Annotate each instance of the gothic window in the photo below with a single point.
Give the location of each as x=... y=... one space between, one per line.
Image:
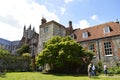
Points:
x=108 y=48
x=85 y=34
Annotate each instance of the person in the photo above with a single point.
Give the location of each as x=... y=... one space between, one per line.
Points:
x=105 y=69
x=89 y=69
x=40 y=68
x=93 y=70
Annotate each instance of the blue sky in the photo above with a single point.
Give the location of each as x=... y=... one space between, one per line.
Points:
x=14 y=14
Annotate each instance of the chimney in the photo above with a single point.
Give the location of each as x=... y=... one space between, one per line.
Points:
x=70 y=23
x=43 y=20
x=117 y=21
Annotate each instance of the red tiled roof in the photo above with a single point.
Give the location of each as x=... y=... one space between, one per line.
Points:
x=97 y=32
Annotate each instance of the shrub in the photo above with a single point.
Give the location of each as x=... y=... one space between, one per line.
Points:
x=99 y=68
x=114 y=70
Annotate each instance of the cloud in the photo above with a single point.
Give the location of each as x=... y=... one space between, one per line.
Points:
x=82 y=24
x=94 y=17
x=14 y=14
x=63 y=10
x=68 y=1
x=9 y=32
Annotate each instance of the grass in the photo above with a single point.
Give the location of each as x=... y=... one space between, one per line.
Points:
x=40 y=76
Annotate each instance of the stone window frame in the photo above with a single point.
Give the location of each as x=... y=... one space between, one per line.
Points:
x=46 y=29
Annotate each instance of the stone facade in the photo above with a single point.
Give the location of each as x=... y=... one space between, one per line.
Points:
x=30 y=37
x=47 y=30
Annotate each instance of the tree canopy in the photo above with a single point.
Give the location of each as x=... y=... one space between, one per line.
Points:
x=63 y=54
x=24 y=49
x=4 y=52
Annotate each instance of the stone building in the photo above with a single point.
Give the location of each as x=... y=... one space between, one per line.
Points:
x=30 y=37
x=49 y=29
x=103 y=40
x=11 y=46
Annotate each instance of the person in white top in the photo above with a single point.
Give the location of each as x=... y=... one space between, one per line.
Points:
x=105 y=69
x=89 y=69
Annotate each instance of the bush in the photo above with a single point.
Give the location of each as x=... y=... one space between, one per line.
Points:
x=114 y=70
x=15 y=63
x=99 y=68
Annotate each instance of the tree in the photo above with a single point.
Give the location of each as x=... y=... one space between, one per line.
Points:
x=24 y=49
x=63 y=54
x=4 y=52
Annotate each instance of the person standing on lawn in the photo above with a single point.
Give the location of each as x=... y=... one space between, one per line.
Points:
x=105 y=69
x=89 y=69
x=93 y=70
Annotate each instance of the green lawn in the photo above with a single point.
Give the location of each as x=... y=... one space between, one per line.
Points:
x=40 y=76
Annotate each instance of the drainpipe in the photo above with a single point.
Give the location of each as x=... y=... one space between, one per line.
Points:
x=98 y=49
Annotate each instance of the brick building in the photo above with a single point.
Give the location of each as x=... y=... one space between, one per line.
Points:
x=103 y=40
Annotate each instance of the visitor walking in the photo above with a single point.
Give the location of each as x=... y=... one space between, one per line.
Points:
x=93 y=70
x=89 y=69
x=105 y=69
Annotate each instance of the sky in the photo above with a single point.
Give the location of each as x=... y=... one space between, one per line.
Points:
x=14 y=14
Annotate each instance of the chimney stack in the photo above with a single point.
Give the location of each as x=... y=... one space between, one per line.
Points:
x=117 y=21
x=43 y=20
x=70 y=23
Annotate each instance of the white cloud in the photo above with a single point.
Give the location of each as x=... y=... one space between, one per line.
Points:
x=15 y=13
x=10 y=32
x=82 y=24
x=68 y=1
x=94 y=17
x=63 y=10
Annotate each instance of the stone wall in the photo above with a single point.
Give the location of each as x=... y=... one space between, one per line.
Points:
x=53 y=30
x=100 y=51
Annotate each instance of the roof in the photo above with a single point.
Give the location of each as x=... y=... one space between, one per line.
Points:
x=50 y=22
x=96 y=32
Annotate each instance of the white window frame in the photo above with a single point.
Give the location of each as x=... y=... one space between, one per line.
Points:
x=106 y=29
x=85 y=34
x=72 y=36
x=108 y=48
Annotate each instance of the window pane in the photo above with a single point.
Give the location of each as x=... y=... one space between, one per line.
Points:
x=106 y=29
x=91 y=47
x=108 y=49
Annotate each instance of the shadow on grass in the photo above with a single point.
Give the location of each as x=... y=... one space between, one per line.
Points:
x=64 y=74
x=95 y=77
x=74 y=75
x=2 y=75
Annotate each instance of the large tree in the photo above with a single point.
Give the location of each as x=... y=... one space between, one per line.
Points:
x=24 y=49
x=63 y=54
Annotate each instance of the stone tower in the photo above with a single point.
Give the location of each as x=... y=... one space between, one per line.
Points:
x=47 y=30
